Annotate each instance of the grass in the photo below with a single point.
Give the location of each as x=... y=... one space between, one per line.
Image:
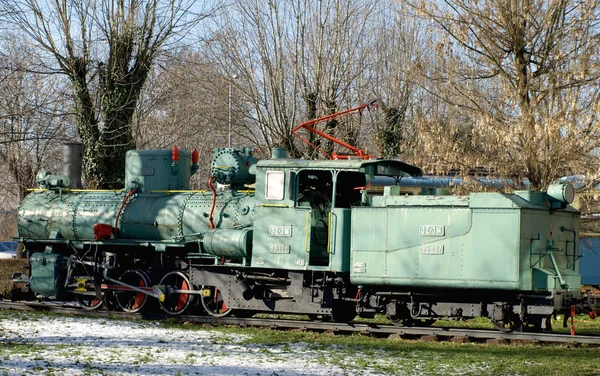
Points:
x=583 y=323
x=354 y=352
x=406 y=357
x=360 y=352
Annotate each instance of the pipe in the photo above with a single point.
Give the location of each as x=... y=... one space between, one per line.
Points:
x=214 y=201
x=551 y=248
x=441 y=182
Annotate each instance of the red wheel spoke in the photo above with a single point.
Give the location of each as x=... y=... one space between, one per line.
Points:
x=183 y=298
x=140 y=297
x=176 y=302
x=128 y=298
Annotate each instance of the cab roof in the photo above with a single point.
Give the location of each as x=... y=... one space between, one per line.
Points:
x=375 y=167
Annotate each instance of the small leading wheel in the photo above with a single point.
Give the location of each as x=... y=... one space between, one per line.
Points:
x=534 y=324
x=176 y=301
x=130 y=300
x=511 y=324
x=89 y=302
x=213 y=303
x=85 y=294
x=398 y=320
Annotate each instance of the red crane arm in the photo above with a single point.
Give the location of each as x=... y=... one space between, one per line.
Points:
x=358 y=153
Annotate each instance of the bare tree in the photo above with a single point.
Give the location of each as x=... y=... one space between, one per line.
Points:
x=330 y=53
x=520 y=82
x=106 y=48
x=8 y=225
x=250 y=42
x=32 y=120
x=400 y=48
x=296 y=60
x=185 y=104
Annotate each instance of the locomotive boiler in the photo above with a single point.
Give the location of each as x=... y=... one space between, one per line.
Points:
x=305 y=237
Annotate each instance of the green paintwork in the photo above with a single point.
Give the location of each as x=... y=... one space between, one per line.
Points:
x=274 y=245
x=231 y=243
x=315 y=215
x=146 y=216
x=320 y=231
x=340 y=239
x=232 y=165
x=484 y=241
x=151 y=170
x=47 y=274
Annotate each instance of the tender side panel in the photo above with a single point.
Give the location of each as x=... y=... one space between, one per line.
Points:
x=492 y=253
x=435 y=247
x=369 y=247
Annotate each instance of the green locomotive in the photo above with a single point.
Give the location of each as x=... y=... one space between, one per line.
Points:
x=310 y=237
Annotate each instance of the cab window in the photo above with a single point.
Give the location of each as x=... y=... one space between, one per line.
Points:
x=314 y=188
x=347 y=189
x=274 y=188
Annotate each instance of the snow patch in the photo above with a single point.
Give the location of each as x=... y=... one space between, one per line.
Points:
x=75 y=345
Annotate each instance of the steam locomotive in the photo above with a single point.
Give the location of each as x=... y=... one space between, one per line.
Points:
x=311 y=237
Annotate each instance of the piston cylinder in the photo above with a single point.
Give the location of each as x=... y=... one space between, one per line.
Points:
x=233 y=243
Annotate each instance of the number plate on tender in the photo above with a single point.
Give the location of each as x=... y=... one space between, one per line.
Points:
x=432 y=249
x=285 y=231
x=279 y=248
x=360 y=267
x=432 y=230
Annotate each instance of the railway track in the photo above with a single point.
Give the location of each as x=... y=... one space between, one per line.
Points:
x=381 y=330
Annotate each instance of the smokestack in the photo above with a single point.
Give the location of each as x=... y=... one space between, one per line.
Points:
x=72 y=162
x=278 y=153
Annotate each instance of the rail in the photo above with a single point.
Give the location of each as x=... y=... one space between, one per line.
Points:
x=380 y=330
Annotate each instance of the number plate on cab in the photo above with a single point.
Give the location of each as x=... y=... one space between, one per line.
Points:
x=285 y=231
x=279 y=248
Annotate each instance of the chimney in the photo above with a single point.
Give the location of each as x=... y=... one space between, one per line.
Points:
x=72 y=163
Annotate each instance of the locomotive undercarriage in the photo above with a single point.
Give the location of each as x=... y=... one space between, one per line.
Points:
x=135 y=280
x=140 y=279
x=508 y=311
x=316 y=294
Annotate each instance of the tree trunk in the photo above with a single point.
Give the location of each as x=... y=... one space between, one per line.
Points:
x=330 y=126
x=87 y=126
x=389 y=138
x=311 y=113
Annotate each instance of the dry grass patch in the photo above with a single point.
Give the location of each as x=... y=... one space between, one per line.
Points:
x=7 y=268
